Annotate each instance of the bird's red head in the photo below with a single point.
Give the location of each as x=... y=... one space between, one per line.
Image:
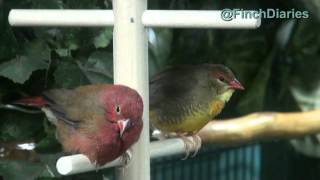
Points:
x=225 y=77
x=123 y=106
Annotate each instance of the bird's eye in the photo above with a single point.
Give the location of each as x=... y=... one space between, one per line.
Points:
x=118 y=110
x=221 y=79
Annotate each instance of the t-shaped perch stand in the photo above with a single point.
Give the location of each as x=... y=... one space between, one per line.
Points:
x=130 y=19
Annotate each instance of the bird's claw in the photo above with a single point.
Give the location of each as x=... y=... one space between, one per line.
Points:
x=189 y=145
x=95 y=165
x=125 y=158
x=197 y=145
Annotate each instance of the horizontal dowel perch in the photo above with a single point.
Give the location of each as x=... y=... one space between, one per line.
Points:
x=150 y=18
x=79 y=163
x=253 y=127
x=195 y=19
x=261 y=126
x=66 y=18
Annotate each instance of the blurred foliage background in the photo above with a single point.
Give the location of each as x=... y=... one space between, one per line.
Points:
x=278 y=64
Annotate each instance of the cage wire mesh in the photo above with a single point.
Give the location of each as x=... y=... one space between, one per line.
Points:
x=211 y=163
x=242 y=163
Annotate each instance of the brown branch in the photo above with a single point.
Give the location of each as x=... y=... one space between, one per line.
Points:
x=261 y=126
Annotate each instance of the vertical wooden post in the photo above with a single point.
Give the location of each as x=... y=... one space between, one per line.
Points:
x=131 y=68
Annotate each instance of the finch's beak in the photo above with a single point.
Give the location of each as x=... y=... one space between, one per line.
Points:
x=123 y=125
x=235 y=84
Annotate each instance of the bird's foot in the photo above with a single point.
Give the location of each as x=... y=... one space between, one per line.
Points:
x=189 y=145
x=197 y=142
x=95 y=165
x=125 y=158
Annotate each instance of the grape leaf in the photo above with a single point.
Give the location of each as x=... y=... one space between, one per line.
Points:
x=20 y=68
x=103 y=39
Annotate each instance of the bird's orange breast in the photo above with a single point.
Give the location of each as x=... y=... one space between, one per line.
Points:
x=215 y=107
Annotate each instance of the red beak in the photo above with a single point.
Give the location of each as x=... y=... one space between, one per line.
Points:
x=123 y=125
x=235 y=84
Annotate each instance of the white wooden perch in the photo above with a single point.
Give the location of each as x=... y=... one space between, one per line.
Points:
x=150 y=18
x=79 y=163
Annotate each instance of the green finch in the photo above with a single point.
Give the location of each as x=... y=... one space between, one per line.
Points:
x=184 y=99
x=99 y=121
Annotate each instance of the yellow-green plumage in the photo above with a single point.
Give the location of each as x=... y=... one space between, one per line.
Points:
x=184 y=99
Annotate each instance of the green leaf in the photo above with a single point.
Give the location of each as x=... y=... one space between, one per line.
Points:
x=63 y=52
x=30 y=170
x=99 y=67
x=39 y=4
x=37 y=51
x=20 y=68
x=84 y=4
x=72 y=41
x=8 y=43
x=103 y=39
x=68 y=75
x=19 y=126
x=48 y=144
x=26 y=170
x=71 y=38
x=35 y=56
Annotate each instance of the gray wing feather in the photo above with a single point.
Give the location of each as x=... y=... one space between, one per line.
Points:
x=57 y=103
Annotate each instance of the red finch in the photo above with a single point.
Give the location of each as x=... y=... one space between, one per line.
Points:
x=183 y=99
x=99 y=121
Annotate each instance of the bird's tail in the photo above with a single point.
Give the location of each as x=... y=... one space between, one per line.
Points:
x=37 y=101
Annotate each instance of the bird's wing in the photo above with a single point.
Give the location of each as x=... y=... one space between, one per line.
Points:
x=173 y=84
x=78 y=108
x=57 y=102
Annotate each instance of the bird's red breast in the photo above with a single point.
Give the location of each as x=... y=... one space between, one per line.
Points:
x=101 y=147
